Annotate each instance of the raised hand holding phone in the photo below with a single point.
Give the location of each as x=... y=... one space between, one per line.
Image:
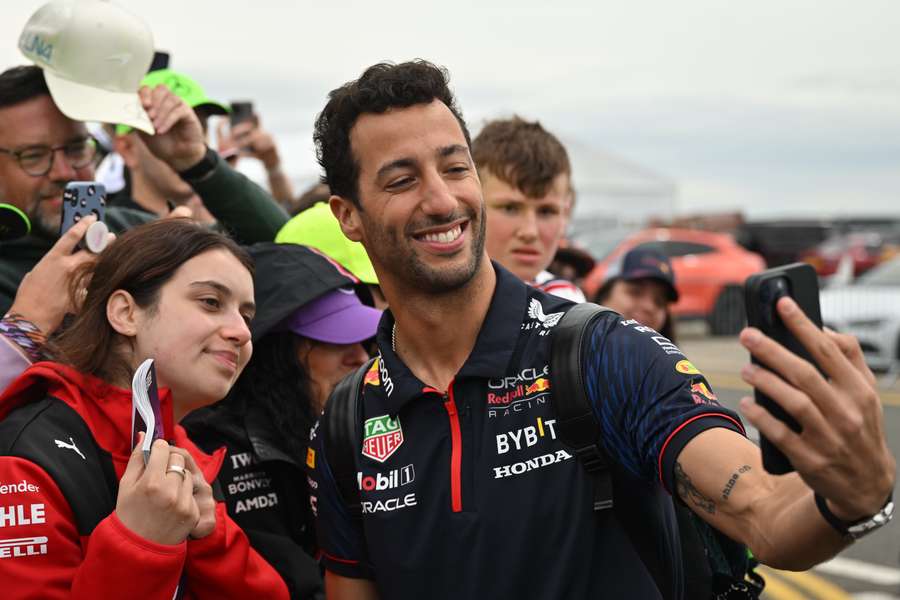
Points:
x=762 y=292
x=54 y=272
x=840 y=451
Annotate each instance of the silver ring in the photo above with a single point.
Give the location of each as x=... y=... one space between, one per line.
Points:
x=177 y=469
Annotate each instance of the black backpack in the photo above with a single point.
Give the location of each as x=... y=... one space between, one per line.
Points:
x=715 y=566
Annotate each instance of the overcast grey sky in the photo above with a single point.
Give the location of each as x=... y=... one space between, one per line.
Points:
x=775 y=106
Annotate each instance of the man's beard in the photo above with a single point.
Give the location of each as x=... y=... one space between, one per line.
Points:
x=404 y=262
x=43 y=224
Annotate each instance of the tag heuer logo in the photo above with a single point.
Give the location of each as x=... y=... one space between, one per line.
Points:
x=383 y=435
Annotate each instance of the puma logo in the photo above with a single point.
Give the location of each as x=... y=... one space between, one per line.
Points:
x=71 y=446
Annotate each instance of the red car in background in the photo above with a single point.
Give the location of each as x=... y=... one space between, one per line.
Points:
x=864 y=249
x=710 y=269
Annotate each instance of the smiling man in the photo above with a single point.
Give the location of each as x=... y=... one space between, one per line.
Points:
x=32 y=177
x=464 y=489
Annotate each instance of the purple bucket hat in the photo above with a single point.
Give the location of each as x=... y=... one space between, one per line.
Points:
x=337 y=317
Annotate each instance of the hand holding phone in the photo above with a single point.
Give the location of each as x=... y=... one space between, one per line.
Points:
x=762 y=292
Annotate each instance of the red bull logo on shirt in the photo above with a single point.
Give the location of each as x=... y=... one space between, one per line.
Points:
x=540 y=385
x=519 y=392
x=371 y=377
x=382 y=436
x=702 y=394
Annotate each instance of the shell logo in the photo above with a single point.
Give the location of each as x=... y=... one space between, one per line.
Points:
x=686 y=367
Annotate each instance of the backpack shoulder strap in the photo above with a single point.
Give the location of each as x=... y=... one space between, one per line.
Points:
x=576 y=422
x=341 y=428
x=52 y=435
x=714 y=566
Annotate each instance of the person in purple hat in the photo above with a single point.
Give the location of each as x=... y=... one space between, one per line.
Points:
x=641 y=286
x=308 y=332
x=331 y=331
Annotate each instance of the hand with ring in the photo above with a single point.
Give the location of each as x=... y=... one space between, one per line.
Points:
x=157 y=501
x=203 y=495
x=177 y=469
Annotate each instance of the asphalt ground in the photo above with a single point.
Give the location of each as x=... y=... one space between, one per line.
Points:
x=867 y=570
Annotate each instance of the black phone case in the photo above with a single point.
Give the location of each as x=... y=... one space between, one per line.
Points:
x=240 y=112
x=799 y=281
x=80 y=199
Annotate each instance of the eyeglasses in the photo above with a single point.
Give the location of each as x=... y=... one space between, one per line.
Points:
x=38 y=160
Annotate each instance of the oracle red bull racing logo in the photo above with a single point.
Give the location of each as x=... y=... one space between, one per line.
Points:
x=518 y=392
x=382 y=436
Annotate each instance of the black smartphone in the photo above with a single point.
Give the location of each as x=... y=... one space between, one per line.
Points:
x=762 y=291
x=160 y=61
x=241 y=111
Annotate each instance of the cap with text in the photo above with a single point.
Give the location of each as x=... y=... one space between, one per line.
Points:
x=94 y=55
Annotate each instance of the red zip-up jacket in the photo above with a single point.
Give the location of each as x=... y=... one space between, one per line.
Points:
x=42 y=554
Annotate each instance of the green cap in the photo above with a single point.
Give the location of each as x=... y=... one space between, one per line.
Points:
x=182 y=86
x=316 y=227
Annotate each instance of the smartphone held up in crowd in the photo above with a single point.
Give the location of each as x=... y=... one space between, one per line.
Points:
x=241 y=111
x=80 y=199
x=762 y=292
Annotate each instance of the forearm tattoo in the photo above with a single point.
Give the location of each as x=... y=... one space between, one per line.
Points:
x=689 y=493
x=726 y=491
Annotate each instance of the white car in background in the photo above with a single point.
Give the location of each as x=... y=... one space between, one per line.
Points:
x=869 y=308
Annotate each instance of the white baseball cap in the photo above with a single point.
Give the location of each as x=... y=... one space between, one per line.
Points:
x=94 y=55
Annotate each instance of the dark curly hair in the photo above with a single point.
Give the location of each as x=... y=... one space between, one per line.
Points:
x=380 y=88
x=276 y=380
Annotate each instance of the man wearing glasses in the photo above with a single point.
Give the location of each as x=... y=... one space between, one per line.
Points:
x=41 y=150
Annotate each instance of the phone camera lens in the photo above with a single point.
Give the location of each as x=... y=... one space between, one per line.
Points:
x=91 y=190
x=102 y=200
x=76 y=217
x=83 y=202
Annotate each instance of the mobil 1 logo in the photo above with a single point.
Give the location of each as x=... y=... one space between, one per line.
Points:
x=386 y=481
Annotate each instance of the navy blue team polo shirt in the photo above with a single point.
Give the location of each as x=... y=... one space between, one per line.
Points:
x=468 y=493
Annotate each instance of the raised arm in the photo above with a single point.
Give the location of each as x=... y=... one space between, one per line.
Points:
x=841 y=453
x=240 y=206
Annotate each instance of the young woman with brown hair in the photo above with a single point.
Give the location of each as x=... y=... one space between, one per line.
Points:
x=86 y=518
